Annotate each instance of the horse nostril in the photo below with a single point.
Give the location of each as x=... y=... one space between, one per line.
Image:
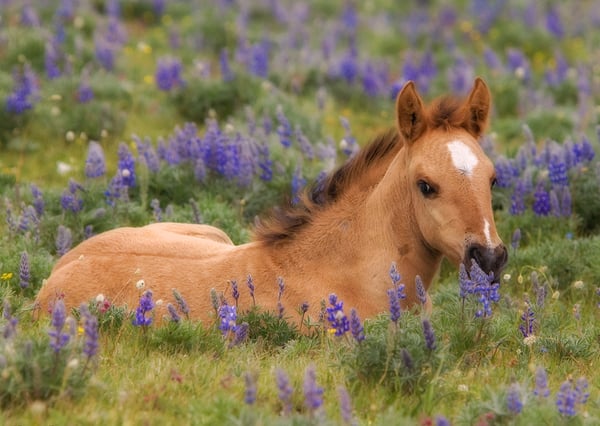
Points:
x=474 y=253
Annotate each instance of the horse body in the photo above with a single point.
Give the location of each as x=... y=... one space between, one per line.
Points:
x=411 y=197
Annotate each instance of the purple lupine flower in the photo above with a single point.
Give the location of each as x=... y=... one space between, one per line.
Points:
x=69 y=200
x=553 y=22
x=557 y=171
x=284 y=129
x=145 y=306
x=156 y=210
x=24 y=274
x=29 y=17
x=345 y=406
x=250 y=284
x=90 y=330
x=298 y=184
x=250 y=392
x=84 y=92
x=442 y=421
x=25 y=91
x=226 y=73
x=516 y=239
x=234 y=291
x=313 y=393
x=513 y=399
x=517 y=199
x=565 y=202
x=50 y=61
x=305 y=145
x=541 y=383
x=240 y=334
x=58 y=339
x=581 y=390
x=259 y=59
x=181 y=303
x=117 y=190
x=38 y=200
x=336 y=316
x=348 y=144
x=228 y=316
x=105 y=53
x=168 y=74
x=554 y=203
x=429 y=335
x=356 y=327
x=284 y=390
x=395 y=275
x=126 y=166
x=281 y=285
x=64 y=240
x=174 y=316
x=407 y=359
x=480 y=284
x=10 y=328
x=528 y=322
x=566 y=399
x=541 y=201
x=395 y=309
x=420 y=288
x=95 y=163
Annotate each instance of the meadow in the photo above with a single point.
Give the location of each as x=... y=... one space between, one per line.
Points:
x=124 y=113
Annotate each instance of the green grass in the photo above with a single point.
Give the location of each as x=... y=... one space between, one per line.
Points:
x=189 y=373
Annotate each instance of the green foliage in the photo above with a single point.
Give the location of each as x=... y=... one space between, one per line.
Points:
x=585 y=188
x=199 y=98
x=268 y=328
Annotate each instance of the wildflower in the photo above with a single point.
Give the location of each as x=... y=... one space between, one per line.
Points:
x=173 y=313
x=126 y=166
x=214 y=300
x=10 y=328
x=145 y=306
x=90 y=329
x=25 y=92
x=528 y=323
x=228 y=316
x=284 y=130
x=516 y=239
x=168 y=74
x=234 y=291
x=84 y=91
x=240 y=334
x=226 y=73
x=281 y=285
x=345 y=406
x=313 y=394
x=557 y=171
x=156 y=210
x=250 y=284
x=356 y=328
x=421 y=292
x=24 y=274
x=284 y=390
x=541 y=383
x=480 y=284
x=553 y=23
x=581 y=390
x=69 y=200
x=541 y=201
x=38 y=200
x=395 y=310
x=181 y=303
x=298 y=183
x=95 y=164
x=64 y=239
x=51 y=57
x=566 y=398
x=336 y=317
x=58 y=339
x=394 y=274
x=429 y=335
x=250 y=394
x=577 y=311
x=513 y=399
x=441 y=421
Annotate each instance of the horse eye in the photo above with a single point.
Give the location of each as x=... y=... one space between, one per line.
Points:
x=426 y=189
x=494 y=182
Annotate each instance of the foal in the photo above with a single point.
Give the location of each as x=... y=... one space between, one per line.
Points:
x=414 y=195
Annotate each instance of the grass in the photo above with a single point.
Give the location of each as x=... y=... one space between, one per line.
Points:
x=190 y=372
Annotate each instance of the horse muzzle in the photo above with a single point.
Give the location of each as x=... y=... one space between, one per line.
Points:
x=488 y=259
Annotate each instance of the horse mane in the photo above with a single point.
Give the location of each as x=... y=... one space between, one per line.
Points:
x=284 y=222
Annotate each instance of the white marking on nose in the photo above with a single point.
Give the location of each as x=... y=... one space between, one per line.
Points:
x=486 y=232
x=463 y=157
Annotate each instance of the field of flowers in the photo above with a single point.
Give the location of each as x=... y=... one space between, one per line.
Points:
x=128 y=112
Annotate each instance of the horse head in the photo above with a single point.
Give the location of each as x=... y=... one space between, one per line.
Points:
x=450 y=177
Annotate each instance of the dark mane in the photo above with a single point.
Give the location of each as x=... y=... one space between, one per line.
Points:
x=284 y=222
x=446 y=113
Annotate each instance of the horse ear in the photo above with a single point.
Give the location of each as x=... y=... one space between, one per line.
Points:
x=410 y=114
x=477 y=108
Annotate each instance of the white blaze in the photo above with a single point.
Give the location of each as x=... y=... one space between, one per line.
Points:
x=463 y=157
x=486 y=232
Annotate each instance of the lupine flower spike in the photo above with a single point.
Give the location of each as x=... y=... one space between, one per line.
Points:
x=336 y=317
